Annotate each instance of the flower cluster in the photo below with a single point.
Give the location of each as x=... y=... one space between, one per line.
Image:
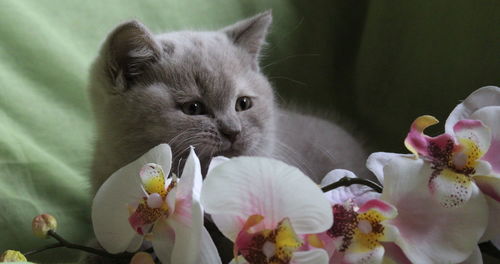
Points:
x=437 y=203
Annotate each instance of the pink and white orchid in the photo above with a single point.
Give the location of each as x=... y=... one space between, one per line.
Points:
x=360 y=228
x=142 y=201
x=484 y=105
x=266 y=207
x=428 y=232
x=455 y=158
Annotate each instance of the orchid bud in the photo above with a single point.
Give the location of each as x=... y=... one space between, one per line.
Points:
x=42 y=224
x=142 y=258
x=12 y=256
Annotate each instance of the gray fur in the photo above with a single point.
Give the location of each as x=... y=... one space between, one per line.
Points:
x=139 y=80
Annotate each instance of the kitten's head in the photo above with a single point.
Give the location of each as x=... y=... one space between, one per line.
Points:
x=203 y=89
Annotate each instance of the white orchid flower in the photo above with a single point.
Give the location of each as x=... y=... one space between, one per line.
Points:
x=143 y=201
x=266 y=207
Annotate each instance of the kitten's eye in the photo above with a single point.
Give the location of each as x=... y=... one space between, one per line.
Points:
x=193 y=108
x=243 y=103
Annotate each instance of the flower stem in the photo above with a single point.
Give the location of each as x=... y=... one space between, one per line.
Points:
x=64 y=243
x=346 y=181
x=38 y=250
x=99 y=252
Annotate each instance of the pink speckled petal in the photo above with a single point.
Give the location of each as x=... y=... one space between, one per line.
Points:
x=375 y=256
x=476 y=131
x=451 y=189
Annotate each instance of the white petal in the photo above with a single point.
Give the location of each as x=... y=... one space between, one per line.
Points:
x=216 y=161
x=377 y=161
x=356 y=192
x=246 y=186
x=429 y=232
x=373 y=257
x=136 y=243
x=110 y=208
x=485 y=96
x=475 y=258
x=187 y=235
x=496 y=242
x=239 y=260
x=490 y=116
x=163 y=241
x=493 y=229
x=313 y=256
x=335 y=175
x=191 y=180
x=208 y=251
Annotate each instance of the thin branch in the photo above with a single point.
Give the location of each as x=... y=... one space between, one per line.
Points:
x=64 y=243
x=38 y=250
x=346 y=181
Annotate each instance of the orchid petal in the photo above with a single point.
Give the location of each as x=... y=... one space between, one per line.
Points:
x=493 y=230
x=485 y=96
x=496 y=242
x=387 y=210
x=475 y=258
x=416 y=142
x=312 y=256
x=357 y=193
x=373 y=256
x=239 y=260
x=110 y=207
x=489 y=185
x=490 y=116
x=187 y=236
x=208 y=251
x=473 y=135
x=394 y=254
x=429 y=232
x=163 y=241
x=136 y=243
x=246 y=186
x=450 y=188
x=191 y=180
x=216 y=161
x=377 y=161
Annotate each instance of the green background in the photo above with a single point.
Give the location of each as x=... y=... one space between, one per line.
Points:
x=379 y=64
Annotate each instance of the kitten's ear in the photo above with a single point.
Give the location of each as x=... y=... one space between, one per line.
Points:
x=127 y=51
x=250 y=33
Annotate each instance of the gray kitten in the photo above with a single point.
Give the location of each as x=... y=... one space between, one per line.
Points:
x=203 y=89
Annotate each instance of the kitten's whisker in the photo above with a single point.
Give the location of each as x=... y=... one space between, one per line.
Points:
x=289 y=57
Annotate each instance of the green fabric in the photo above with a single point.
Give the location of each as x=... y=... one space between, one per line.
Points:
x=380 y=63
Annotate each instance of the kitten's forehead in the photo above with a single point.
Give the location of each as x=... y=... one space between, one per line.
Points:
x=205 y=64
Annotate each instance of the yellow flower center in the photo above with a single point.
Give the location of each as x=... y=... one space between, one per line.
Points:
x=268 y=246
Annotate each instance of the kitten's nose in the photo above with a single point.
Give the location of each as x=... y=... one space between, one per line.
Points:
x=230 y=134
x=229 y=127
